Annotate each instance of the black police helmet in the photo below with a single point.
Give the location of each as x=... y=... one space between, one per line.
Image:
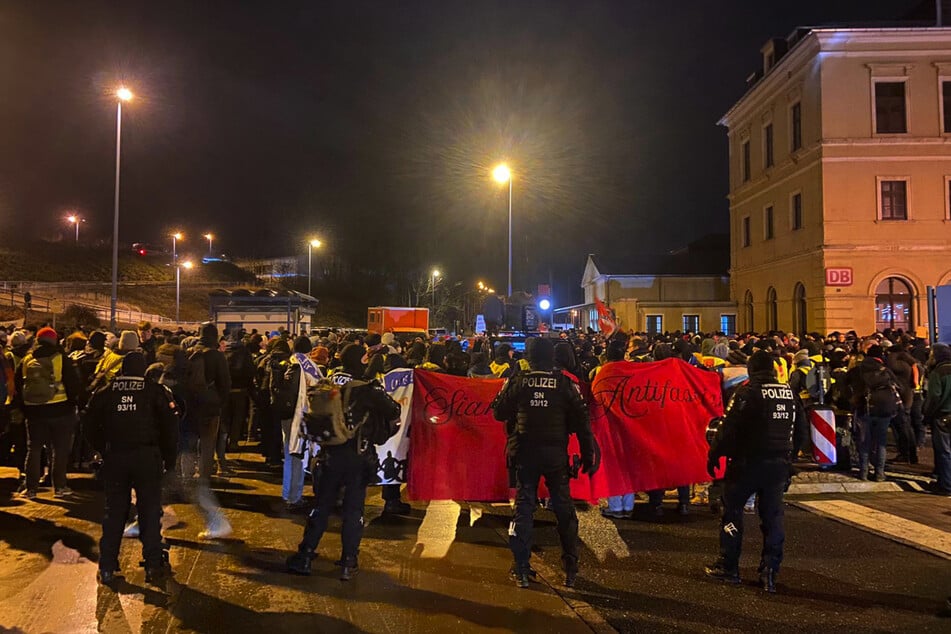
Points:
x=540 y=352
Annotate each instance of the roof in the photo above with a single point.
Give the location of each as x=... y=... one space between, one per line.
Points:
x=709 y=255
x=260 y=296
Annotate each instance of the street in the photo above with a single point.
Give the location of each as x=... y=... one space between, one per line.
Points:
x=445 y=568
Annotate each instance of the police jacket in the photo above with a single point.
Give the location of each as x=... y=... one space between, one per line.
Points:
x=132 y=412
x=546 y=406
x=759 y=421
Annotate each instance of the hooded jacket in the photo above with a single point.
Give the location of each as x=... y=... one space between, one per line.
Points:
x=68 y=384
x=216 y=368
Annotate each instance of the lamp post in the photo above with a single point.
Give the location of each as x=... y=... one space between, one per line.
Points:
x=313 y=244
x=175 y=238
x=209 y=237
x=74 y=219
x=178 y=287
x=435 y=274
x=122 y=94
x=503 y=174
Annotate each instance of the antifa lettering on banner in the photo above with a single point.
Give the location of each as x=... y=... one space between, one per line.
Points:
x=650 y=421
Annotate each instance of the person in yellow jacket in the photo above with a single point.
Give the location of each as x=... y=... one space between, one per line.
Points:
x=111 y=361
x=503 y=364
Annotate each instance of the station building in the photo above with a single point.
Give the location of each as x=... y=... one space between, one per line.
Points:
x=686 y=289
x=840 y=180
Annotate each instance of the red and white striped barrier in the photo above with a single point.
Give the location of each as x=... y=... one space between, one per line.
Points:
x=822 y=426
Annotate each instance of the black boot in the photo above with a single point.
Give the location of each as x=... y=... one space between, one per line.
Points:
x=768 y=579
x=570 y=563
x=396 y=507
x=106 y=577
x=158 y=571
x=719 y=570
x=348 y=569
x=299 y=563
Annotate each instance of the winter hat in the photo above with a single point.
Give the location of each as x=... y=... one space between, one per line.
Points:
x=800 y=357
x=48 y=334
x=350 y=358
x=129 y=341
x=541 y=353
x=280 y=346
x=388 y=339
x=134 y=364
x=760 y=361
x=17 y=339
x=875 y=351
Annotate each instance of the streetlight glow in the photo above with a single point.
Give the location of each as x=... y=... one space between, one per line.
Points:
x=436 y=273
x=72 y=219
x=315 y=243
x=502 y=173
x=188 y=264
x=124 y=94
x=177 y=236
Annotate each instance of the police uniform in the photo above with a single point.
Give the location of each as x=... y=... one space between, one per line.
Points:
x=756 y=436
x=134 y=423
x=546 y=406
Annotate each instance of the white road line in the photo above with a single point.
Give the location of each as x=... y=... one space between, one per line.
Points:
x=906 y=531
x=438 y=529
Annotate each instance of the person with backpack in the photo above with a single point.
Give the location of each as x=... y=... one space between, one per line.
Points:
x=47 y=388
x=234 y=415
x=296 y=379
x=206 y=386
x=349 y=417
x=876 y=401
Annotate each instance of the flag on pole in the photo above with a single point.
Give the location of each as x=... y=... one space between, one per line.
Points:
x=606 y=322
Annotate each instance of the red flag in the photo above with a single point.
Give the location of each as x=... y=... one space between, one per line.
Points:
x=606 y=322
x=650 y=420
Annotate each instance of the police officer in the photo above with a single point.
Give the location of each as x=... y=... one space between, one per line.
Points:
x=349 y=466
x=756 y=436
x=133 y=422
x=546 y=407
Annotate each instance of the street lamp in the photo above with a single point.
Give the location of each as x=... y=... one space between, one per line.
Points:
x=503 y=174
x=175 y=238
x=434 y=276
x=209 y=237
x=313 y=244
x=75 y=220
x=122 y=94
x=178 y=287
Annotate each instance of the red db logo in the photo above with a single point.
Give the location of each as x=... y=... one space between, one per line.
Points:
x=839 y=277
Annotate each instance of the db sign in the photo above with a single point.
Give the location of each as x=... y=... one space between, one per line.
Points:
x=839 y=277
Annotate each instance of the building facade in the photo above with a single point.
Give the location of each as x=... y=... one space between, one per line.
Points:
x=840 y=181
x=688 y=300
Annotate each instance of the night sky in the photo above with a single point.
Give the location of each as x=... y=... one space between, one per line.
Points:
x=375 y=124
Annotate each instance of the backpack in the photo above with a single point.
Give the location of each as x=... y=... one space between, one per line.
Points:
x=882 y=397
x=336 y=414
x=197 y=389
x=282 y=391
x=40 y=377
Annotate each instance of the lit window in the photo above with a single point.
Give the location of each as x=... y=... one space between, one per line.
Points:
x=655 y=324
x=728 y=324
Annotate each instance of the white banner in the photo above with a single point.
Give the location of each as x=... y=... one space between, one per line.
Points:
x=391 y=467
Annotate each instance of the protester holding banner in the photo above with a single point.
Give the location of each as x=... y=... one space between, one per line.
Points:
x=546 y=407
x=756 y=436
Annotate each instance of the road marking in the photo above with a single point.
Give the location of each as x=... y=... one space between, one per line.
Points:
x=902 y=530
x=438 y=529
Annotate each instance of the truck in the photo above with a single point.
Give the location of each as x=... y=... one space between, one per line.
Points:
x=397 y=319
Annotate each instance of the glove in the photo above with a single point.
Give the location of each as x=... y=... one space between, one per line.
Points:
x=712 y=466
x=588 y=465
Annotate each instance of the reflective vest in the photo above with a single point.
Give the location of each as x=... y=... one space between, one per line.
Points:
x=58 y=388
x=782 y=370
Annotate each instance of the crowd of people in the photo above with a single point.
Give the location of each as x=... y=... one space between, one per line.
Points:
x=238 y=386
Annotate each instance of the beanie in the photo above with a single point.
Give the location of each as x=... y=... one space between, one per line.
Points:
x=128 y=341
x=302 y=344
x=388 y=339
x=320 y=355
x=48 y=334
x=97 y=340
x=875 y=351
x=540 y=352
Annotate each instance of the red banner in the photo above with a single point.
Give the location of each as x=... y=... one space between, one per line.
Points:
x=650 y=420
x=457 y=448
